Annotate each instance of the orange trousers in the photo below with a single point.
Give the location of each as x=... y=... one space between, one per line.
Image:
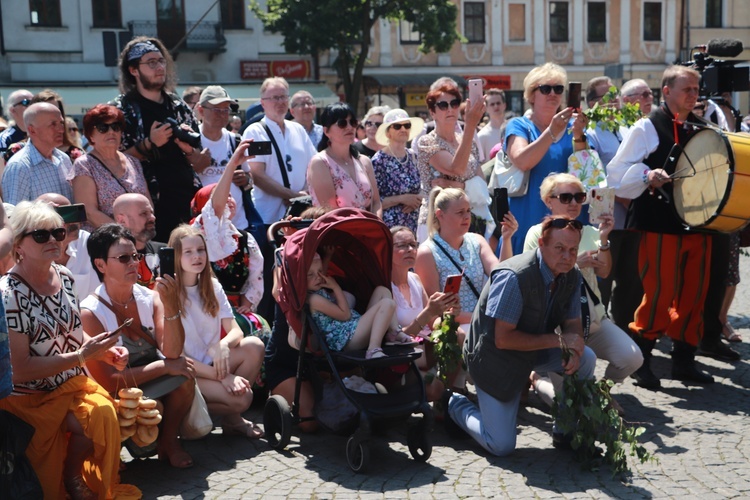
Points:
x=674 y=271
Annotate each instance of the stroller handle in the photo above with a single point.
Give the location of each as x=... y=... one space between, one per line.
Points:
x=276 y=234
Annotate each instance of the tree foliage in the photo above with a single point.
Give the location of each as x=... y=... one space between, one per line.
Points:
x=310 y=27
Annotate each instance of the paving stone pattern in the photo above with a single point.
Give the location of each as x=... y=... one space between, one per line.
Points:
x=699 y=434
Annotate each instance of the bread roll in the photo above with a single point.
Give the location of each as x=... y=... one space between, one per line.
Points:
x=126 y=432
x=126 y=422
x=130 y=393
x=147 y=404
x=148 y=421
x=129 y=403
x=128 y=413
x=147 y=434
x=147 y=413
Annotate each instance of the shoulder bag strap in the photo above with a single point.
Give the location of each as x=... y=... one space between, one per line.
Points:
x=120 y=320
x=466 y=278
x=278 y=157
x=108 y=170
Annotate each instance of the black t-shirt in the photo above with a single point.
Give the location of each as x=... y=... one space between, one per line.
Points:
x=364 y=150
x=173 y=172
x=147 y=270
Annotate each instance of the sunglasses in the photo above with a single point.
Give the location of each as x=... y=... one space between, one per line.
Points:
x=443 y=105
x=546 y=89
x=127 y=257
x=41 y=236
x=22 y=102
x=397 y=126
x=103 y=128
x=368 y=123
x=343 y=122
x=563 y=223
x=645 y=94
x=566 y=198
x=407 y=246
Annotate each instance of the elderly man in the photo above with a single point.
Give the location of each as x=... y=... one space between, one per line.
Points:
x=134 y=211
x=39 y=167
x=302 y=109
x=18 y=101
x=674 y=262
x=513 y=332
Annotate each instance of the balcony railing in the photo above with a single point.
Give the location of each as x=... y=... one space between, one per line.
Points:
x=205 y=36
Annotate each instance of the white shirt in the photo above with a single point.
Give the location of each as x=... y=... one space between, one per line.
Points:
x=143 y=298
x=202 y=330
x=626 y=172
x=79 y=265
x=488 y=138
x=296 y=150
x=221 y=151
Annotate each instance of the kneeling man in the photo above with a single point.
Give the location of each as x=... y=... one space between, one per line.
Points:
x=513 y=332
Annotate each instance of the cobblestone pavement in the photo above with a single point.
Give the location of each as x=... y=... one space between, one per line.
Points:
x=699 y=434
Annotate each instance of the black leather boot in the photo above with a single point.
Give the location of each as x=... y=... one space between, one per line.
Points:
x=643 y=376
x=683 y=364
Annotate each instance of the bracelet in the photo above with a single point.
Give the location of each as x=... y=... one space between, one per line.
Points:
x=604 y=248
x=81 y=359
x=172 y=318
x=554 y=139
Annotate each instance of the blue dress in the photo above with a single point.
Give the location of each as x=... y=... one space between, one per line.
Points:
x=338 y=333
x=529 y=210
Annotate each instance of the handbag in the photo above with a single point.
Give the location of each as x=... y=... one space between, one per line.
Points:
x=506 y=175
x=17 y=476
x=197 y=423
x=587 y=167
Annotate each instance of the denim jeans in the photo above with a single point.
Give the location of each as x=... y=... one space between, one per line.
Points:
x=493 y=423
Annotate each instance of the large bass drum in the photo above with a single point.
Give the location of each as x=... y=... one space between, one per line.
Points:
x=712 y=181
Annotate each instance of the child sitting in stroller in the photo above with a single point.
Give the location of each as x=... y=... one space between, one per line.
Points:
x=346 y=329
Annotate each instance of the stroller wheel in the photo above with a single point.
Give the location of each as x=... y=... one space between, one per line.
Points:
x=357 y=454
x=277 y=422
x=419 y=443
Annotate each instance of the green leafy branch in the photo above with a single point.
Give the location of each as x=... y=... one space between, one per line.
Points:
x=610 y=117
x=587 y=413
x=447 y=350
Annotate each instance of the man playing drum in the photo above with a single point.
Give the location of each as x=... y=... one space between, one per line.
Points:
x=673 y=262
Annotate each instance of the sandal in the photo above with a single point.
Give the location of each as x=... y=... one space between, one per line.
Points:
x=399 y=338
x=78 y=489
x=375 y=353
x=729 y=334
x=245 y=428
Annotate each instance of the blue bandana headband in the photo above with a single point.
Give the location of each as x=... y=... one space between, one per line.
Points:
x=140 y=49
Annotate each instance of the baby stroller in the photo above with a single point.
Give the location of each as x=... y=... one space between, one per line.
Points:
x=361 y=262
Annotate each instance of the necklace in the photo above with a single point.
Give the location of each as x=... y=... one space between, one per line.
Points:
x=123 y=304
x=401 y=162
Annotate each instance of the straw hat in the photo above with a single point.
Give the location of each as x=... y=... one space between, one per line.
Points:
x=398 y=116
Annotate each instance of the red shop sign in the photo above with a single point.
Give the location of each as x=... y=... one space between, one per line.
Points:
x=290 y=69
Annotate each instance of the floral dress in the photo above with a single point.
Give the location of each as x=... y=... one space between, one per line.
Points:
x=395 y=177
x=427 y=147
x=109 y=187
x=338 y=333
x=354 y=193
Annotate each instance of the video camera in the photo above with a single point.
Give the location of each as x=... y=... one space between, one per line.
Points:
x=718 y=76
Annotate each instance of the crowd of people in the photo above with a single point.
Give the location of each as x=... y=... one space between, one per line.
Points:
x=159 y=170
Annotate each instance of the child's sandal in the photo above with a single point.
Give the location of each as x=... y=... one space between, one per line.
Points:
x=375 y=353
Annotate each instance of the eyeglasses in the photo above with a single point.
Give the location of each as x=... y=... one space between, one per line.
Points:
x=546 y=89
x=368 y=123
x=221 y=111
x=127 y=257
x=41 y=236
x=343 y=122
x=22 y=102
x=566 y=198
x=406 y=246
x=645 y=94
x=562 y=224
x=301 y=104
x=276 y=98
x=288 y=161
x=155 y=63
x=397 y=126
x=103 y=128
x=443 y=105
